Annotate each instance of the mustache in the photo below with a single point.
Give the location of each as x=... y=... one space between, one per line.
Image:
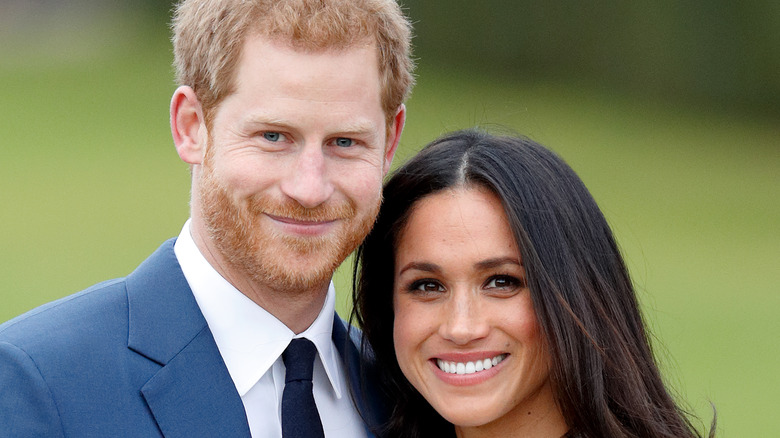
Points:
x=291 y=209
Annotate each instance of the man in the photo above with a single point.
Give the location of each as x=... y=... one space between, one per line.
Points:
x=289 y=113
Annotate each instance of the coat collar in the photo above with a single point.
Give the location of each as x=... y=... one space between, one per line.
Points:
x=192 y=394
x=362 y=376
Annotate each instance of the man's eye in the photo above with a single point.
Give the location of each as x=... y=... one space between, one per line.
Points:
x=344 y=142
x=273 y=136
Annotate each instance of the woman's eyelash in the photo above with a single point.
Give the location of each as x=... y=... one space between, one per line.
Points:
x=505 y=281
x=425 y=285
x=501 y=281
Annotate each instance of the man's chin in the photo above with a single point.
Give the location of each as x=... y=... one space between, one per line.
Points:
x=295 y=282
x=294 y=267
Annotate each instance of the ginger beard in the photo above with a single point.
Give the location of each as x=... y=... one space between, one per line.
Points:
x=285 y=263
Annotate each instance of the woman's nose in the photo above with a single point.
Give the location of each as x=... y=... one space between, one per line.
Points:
x=463 y=320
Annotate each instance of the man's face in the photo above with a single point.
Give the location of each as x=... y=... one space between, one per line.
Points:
x=291 y=180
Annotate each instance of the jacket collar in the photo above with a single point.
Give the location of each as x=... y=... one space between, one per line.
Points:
x=362 y=375
x=192 y=394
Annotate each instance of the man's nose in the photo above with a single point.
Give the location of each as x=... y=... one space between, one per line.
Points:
x=308 y=181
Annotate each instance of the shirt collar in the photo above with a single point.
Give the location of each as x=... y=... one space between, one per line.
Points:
x=249 y=338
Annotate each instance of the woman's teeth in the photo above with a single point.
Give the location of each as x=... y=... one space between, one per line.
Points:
x=469 y=367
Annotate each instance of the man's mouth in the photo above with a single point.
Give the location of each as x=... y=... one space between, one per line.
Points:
x=302 y=221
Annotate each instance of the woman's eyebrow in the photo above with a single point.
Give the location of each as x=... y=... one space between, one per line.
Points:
x=496 y=262
x=420 y=266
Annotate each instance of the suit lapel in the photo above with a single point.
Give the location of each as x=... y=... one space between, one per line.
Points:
x=361 y=373
x=192 y=394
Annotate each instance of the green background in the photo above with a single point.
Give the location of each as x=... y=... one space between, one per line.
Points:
x=682 y=156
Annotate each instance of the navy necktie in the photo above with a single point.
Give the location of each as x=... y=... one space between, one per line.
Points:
x=300 y=418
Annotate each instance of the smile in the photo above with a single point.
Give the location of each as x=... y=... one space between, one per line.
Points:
x=469 y=367
x=303 y=228
x=301 y=222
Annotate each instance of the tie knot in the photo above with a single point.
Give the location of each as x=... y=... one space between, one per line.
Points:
x=299 y=360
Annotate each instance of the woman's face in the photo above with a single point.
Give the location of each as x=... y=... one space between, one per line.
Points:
x=465 y=332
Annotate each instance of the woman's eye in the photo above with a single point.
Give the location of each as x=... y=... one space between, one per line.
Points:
x=343 y=142
x=427 y=286
x=503 y=282
x=273 y=136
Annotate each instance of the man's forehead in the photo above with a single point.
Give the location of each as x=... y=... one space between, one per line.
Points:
x=309 y=46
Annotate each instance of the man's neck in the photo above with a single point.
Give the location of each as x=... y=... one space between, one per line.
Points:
x=297 y=309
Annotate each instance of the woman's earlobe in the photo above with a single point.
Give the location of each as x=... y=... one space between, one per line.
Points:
x=188 y=127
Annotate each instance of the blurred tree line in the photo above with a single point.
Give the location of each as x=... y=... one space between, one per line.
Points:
x=718 y=51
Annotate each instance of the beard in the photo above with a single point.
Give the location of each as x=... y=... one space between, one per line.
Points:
x=282 y=262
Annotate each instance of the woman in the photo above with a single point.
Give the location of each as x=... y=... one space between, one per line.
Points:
x=498 y=304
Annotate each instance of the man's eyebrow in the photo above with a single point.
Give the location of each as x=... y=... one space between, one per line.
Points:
x=261 y=119
x=359 y=127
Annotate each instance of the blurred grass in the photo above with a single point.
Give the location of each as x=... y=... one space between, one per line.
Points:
x=91 y=185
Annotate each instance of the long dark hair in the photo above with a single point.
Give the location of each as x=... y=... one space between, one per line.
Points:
x=603 y=372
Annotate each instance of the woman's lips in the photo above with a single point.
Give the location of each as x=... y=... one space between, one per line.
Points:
x=465 y=369
x=471 y=366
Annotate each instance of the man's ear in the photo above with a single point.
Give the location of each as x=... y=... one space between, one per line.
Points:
x=394 y=136
x=188 y=126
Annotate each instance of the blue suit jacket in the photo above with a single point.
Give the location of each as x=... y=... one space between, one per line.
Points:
x=130 y=357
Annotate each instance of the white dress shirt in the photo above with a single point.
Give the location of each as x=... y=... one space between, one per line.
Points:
x=251 y=342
